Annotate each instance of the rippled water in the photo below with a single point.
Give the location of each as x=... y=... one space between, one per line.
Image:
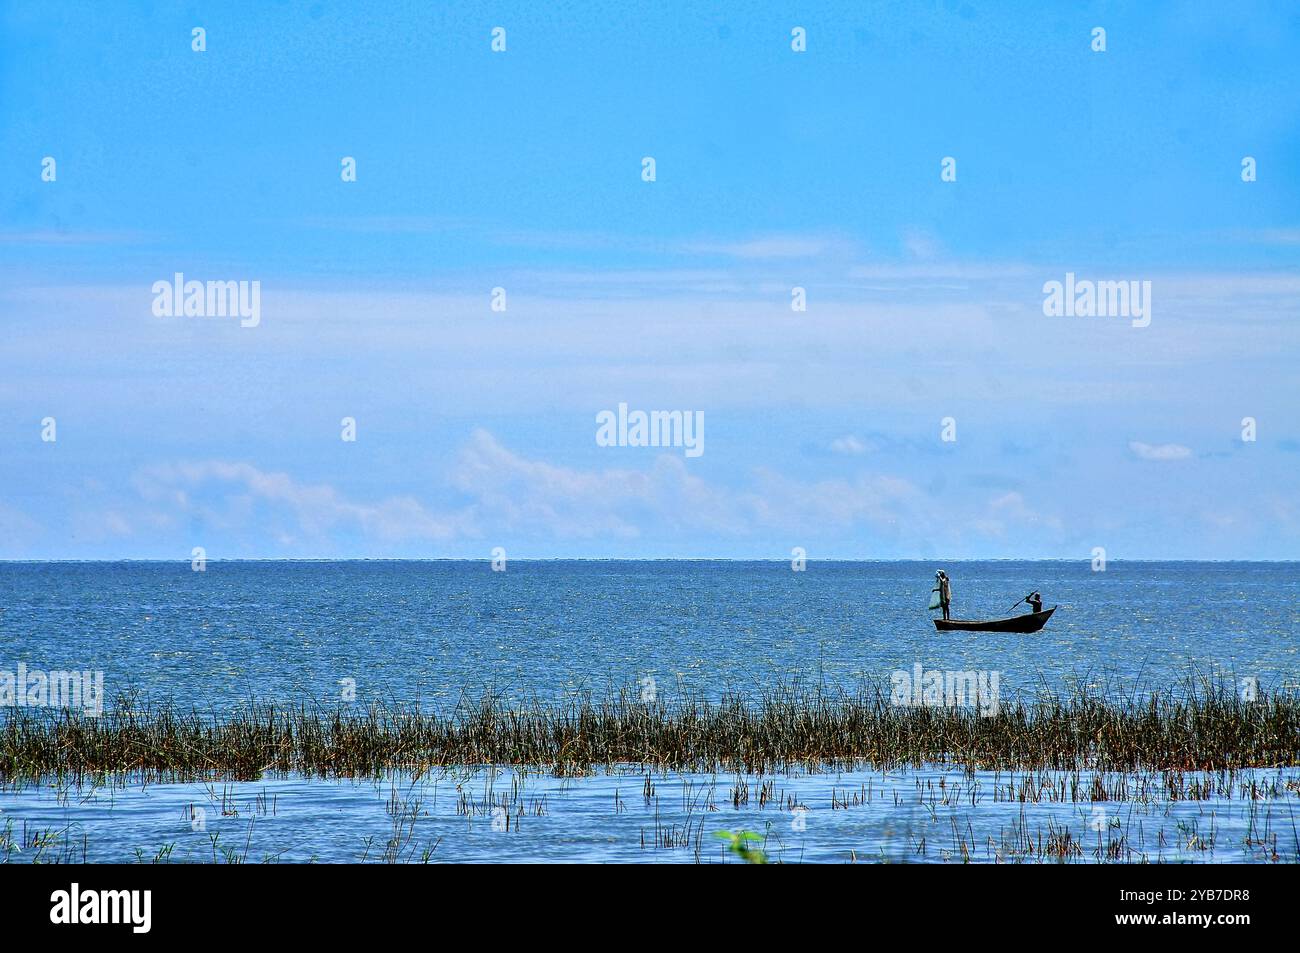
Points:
x=432 y=630
x=428 y=630
x=927 y=816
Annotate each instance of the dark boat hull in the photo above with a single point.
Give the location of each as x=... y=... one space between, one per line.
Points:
x=1031 y=622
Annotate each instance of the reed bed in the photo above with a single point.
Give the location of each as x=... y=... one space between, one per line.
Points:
x=1199 y=726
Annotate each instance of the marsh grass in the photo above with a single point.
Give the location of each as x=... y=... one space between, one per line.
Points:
x=1201 y=725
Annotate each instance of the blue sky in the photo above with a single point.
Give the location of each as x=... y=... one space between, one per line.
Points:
x=522 y=170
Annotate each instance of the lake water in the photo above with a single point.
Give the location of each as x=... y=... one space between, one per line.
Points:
x=430 y=631
x=927 y=816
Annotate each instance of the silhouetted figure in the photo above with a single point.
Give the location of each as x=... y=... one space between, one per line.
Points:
x=945 y=592
x=1035 y=601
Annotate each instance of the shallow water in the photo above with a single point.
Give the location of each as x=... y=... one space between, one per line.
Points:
x=933 y=815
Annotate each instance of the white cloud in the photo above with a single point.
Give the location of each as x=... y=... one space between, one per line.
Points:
x=885 y=503
x=1269 y=236
x=317 y=509
x=773 y=247
x=1011 y=511
x=651 y=502
x=1162 y=452
x=920 y=244
x=509 y=495
x=848 y=445
x=517 y=494
x=56 y=236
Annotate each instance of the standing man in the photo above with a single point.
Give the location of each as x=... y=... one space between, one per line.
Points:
x=945 y=592
x=1035 y=601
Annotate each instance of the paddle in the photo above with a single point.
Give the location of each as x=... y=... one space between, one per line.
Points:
x=1018 y=603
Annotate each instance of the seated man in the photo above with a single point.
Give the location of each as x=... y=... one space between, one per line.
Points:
x=1035 y=601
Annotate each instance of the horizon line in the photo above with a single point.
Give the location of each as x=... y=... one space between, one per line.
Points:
x=539 y=559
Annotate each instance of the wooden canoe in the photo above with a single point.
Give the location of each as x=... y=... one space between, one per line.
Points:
x=1030 y=622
